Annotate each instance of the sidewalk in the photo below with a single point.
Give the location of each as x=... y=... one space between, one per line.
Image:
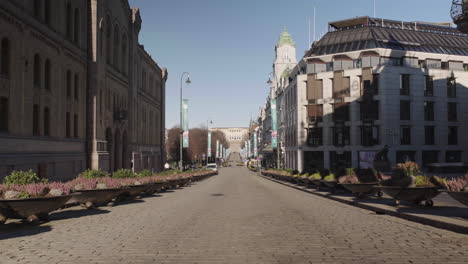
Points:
x=446 y=213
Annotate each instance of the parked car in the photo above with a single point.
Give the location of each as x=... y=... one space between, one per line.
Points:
x=212 y=166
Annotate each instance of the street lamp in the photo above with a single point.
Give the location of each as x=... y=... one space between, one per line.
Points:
x=208 y=149
x=187 y=81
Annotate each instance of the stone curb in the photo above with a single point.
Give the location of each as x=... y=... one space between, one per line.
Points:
x=414 y=218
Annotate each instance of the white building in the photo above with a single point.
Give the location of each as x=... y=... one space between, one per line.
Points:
x=370 y=83
x=234 y=135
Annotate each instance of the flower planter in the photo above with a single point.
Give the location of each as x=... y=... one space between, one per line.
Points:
x=362 y=189
x=317 y=183
x=155 y=187
x=304 y=181
x=412 y=194
x=133 y=191
x=461 y=197
x=32 y=209
x=92 y=198
x=333 y=185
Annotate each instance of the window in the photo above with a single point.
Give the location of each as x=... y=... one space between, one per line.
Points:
x=453 y=156
x=405 y=110
x=341 y=136
x=369 y=110
x=69 y=84
x=429 y=135
x=452 y=112
x=375 y=83
x=429 y=111
x=429 y=89
x=453 y=135
x=75 y=126
x=341 y=112
x=76 y=27
x=69 y=21
x=4 y=114
x=315 y=136
x=108 y=39
x=36 y=119
x=116 y=46
x=47 y=75
x=77 y=87
x=46 y=121
x=67 y=125
x=405 y=135
x=47 y=12
x=451 y=87
x=369 y=135
x=37 y=8
x=124 y=54
x=5 y=58
x=405 y=84
x=37 y=71
x=430 y=156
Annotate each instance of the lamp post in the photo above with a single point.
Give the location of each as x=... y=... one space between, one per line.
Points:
x=187 y=81
x=208 y=143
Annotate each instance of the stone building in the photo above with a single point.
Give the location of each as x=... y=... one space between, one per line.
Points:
x=371 y=84
x=235 y=136
x=69 y=95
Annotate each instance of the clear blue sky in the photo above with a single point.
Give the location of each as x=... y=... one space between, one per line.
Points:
x=228 y=45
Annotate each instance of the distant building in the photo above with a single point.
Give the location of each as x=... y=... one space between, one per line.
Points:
x=234 y=135
x=77 y=90
x=370 y=83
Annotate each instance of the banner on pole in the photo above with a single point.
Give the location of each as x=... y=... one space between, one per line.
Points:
x=274 y=124
x=217 y=148
x=209 y=144
x=185 y=125
x=255 y=144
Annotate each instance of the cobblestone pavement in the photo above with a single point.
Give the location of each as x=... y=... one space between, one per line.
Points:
x=235 y=217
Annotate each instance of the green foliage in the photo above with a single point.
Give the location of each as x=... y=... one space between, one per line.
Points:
x=316 y=176
x=409 y=168
x=437 y=181
x=123 y=173
x=169 y=172
x=305 y=175
x=22 y=178
x=24 y=195
x=423 y=181
x=330 y=178
x=145 y=173
x=93 y=174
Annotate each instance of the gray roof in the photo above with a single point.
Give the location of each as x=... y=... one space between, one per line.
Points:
x=389 y=34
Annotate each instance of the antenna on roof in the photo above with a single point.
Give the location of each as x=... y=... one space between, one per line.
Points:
x=309 y=34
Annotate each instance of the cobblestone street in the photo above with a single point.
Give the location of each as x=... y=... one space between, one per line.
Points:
x=235 y=217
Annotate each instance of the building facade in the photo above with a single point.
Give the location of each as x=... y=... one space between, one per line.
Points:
x=69 y=92
x=373 y=84
x=234 y=135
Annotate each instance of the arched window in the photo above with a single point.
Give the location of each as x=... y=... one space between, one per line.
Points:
x=76 y=28
x=46 y=121
x=75 y=126
x=47 y=75
x=69 y=83
x=5 y=58
x=69 y=21
x=47 y=12
x=37 y=71
x=124 y=54
x=35 y=119
x=108 y=39
x=4 y=114
x=37 y=8
x=77 y=86
x=67 y=125
x=116 y=46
